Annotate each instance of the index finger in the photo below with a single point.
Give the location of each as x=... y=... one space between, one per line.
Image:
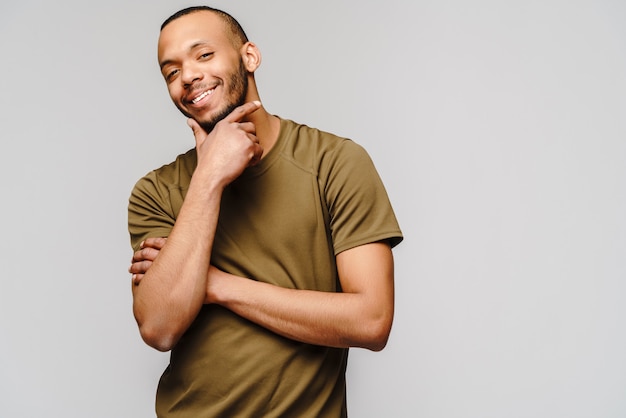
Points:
x=242 y=111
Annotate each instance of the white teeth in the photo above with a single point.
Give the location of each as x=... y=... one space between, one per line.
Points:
x=202 y=96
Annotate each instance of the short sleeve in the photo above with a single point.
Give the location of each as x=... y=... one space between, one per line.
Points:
x=359 y=207
x=149 y=211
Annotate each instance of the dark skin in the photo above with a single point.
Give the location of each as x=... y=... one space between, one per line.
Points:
x=173 y=277
x=142 y=259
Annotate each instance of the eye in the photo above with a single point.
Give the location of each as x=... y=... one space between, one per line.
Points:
x=171 y=74
x=206 y=55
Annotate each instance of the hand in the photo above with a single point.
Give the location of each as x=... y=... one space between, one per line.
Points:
x=150 y=249
x=142 y=259
x=231 y=146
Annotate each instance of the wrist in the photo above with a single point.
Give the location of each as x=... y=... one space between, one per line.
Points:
x=223 y=288
x=207 y=186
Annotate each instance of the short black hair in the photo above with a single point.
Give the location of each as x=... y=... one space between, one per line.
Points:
x=237 y=33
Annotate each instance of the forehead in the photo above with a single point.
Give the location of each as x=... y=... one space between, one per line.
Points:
x=201 y=26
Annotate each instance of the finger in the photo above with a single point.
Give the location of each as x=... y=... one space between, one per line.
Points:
x=256 y=156
x=198 y=133
x=254 y=139
x=242 y=111
x=247 y=127
x=147 y=253
x=136 y=278
x=155 y=242
x=139 y=267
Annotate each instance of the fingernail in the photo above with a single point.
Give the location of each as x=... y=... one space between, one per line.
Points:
x=256 y=102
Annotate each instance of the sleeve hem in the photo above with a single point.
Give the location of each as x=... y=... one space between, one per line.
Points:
x=393 y=237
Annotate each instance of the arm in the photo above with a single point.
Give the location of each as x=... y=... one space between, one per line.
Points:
x=360 y=316
x=171 y=292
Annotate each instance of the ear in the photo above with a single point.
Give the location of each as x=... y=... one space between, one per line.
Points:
x=251 y=56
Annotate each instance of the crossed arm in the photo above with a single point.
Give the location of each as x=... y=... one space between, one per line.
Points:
x=360 y=316
x=173 y=289
x=173 y=277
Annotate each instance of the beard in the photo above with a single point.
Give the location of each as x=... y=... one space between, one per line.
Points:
x=236 y=96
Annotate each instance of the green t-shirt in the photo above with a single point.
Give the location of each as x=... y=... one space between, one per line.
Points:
x=283 y=222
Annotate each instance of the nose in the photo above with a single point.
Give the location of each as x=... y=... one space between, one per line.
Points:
x=190 y=74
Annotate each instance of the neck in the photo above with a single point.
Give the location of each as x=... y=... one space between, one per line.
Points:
x=267 y=126
x=267 y=129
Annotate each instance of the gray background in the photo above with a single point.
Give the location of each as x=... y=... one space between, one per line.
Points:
x=498 y=128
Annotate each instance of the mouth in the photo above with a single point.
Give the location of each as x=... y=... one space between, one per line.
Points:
x=197 y=99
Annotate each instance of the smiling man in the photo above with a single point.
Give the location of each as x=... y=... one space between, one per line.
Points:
x=262 y=254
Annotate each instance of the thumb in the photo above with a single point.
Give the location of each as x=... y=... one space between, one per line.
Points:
x=198 y=132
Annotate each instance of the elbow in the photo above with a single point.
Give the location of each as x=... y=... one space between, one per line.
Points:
x=378 y=339
x=377 y=345
x=377 y=334
x=156 y=333
x=158 y=339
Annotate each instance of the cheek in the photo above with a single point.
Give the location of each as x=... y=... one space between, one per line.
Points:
x=174 y=92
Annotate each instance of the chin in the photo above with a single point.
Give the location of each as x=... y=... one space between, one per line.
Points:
x=208 y=122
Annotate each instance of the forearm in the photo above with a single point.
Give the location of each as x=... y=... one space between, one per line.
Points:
x=313 y=317
x=360 y=316
x=171 y=293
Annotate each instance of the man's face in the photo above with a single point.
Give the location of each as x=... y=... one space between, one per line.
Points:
x=203 y=70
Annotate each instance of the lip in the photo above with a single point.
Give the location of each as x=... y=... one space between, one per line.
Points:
x=200 y=97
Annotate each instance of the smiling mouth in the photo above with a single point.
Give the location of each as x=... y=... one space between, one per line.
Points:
x=202 y=96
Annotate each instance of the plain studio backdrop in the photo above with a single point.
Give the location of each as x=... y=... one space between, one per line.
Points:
x=499 y=129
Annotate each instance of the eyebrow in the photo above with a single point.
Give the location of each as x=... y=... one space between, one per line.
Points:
x=191 y=48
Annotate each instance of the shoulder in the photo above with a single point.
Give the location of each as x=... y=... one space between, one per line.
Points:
x=156 y=199
x=308 y=145
x=307 y=136
x=176 y=174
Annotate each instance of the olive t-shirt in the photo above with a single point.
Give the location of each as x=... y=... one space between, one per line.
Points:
x=283 y=222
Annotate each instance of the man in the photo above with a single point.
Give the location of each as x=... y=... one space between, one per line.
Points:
x=262 y=254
